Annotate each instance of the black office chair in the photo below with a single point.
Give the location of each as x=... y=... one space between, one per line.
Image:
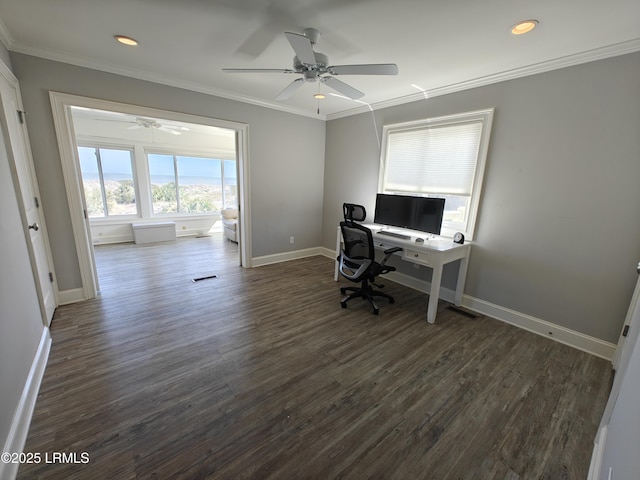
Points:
x=357 y=258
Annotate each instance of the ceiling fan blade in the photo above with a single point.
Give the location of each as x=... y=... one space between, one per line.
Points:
x=302 y=46
x=343 y=88
x=113 y=120
x=169 y=130
x=257 y=70
x=365 y=69
x=258 y=41
x=292 y=87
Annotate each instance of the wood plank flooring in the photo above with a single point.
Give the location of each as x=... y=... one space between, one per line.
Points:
x=260 y=374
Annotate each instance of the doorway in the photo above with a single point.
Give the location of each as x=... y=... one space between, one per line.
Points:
x=125 y=164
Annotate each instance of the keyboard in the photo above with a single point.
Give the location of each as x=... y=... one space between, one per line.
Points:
x=394 y=234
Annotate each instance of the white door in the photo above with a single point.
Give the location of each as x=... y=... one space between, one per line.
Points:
x=620 y=425
x=20 y=156
x=20 y=317
x=629 y=334
x=622 y=430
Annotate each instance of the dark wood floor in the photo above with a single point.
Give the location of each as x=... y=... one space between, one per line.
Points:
x=260 y=374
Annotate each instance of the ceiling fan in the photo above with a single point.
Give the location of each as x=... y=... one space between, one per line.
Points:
x=143 y=122
x=314 y=66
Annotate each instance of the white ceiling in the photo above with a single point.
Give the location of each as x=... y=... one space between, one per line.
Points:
x=92 y=125
x=440 y=45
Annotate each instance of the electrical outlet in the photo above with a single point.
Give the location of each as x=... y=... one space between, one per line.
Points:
x=291 y=240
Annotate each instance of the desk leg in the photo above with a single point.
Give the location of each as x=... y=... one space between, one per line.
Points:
x=338 y=245
x=434 y=293
x=462 y=278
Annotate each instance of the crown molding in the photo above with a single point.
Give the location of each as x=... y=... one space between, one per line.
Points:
x=622 y=48
x=164 y=80
x=615 y=50
x=5 y=36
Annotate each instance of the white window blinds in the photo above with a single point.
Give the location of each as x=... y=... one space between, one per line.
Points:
x=438 y=159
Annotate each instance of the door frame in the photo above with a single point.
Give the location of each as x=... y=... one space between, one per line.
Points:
x=61 y=104
x=11 y=82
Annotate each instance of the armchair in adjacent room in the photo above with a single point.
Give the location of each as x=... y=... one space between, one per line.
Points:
x=357 y=261
x=230 y=223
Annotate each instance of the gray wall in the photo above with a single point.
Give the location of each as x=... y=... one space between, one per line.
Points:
x=4 y=56
x=21 y=324
x=286 y=155
x=558 y=233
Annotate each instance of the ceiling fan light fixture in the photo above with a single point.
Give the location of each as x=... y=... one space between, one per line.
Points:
x=315 y=67
x=523 y=27
x=319 y=96
x=126 y=40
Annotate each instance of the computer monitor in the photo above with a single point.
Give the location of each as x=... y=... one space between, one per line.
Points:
x=428 y=214
x=394 y=210
x=406 y=211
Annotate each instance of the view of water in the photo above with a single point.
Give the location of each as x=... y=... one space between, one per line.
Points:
x=117 y=165
x=162 y=179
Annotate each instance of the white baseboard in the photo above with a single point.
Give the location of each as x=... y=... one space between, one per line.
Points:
x=598 y=453
x=327 y=252
x=72 y=295
x=421 y=285
x=285 y=257
x=108 y=239
x=578 y=340
x=24 y=411
x=191 y=232
x=574 y=339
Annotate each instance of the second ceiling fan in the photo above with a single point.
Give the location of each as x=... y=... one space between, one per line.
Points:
x=314 y=66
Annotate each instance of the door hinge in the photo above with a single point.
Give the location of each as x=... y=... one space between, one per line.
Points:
x=21 y=116
x=625 y=331
x=85 y=214
x=51 y=277
x=37 y=202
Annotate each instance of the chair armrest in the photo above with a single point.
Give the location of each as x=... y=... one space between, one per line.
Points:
x=387 y=254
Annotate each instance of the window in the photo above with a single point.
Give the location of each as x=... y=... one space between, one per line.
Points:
x=107 y=177
x=439 y=157
x=190 y=184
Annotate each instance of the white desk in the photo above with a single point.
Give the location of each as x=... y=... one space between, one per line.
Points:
x=435 y=253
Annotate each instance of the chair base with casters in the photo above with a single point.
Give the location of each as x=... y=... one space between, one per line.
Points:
x=365 y=271
x=366 y=292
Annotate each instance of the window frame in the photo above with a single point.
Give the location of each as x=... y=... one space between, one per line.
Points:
x=485 y=117
x=97 y=146
x=186 y=153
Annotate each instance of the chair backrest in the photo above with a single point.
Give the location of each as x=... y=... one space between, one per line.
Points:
x=353 y=212
x=358 y=253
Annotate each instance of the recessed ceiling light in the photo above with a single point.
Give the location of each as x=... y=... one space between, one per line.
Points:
x=126 y=40
x=524 y=27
